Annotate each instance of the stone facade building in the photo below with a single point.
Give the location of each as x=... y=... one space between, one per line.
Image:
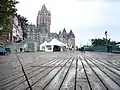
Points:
x=41 y=32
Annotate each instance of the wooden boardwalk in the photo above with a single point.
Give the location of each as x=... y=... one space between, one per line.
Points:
x=61 y=71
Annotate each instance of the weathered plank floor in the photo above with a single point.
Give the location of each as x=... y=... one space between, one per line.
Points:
x=61 y=71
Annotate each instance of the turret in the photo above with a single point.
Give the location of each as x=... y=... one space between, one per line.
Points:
x=71 y=34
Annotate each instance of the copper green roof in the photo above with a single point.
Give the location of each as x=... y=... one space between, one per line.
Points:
x=44 y=9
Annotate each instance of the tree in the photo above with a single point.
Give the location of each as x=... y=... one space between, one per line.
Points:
x=24 y=23
x=7 y=8
x=96 y=42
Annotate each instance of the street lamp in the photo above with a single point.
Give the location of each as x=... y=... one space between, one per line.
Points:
x=106 y=36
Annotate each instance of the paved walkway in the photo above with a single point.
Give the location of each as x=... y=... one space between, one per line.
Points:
x=61 y=71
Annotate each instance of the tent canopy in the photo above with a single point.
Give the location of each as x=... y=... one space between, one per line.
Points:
x=43 y=44
x=56 y=42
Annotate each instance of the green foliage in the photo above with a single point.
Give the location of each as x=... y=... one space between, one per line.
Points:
x=24 y=23
x=7 y=8
x=96 y=42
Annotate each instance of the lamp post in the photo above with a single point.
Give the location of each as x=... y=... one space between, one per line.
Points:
x=106 y=37
x=107 y=47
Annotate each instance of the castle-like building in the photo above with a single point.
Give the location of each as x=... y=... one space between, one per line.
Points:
x=41 y=32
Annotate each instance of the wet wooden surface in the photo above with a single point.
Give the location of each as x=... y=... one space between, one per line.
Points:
x=61 y=71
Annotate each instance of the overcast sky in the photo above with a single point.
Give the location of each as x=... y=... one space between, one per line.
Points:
x=87 y=18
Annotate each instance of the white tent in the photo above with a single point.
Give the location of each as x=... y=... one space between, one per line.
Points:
x=56 y=42
x=42 y=46
x=49 y=46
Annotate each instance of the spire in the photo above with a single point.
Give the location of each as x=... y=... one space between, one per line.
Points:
x=44 y=9
x=59 y=32
x=71 y=34
x=64 y=31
